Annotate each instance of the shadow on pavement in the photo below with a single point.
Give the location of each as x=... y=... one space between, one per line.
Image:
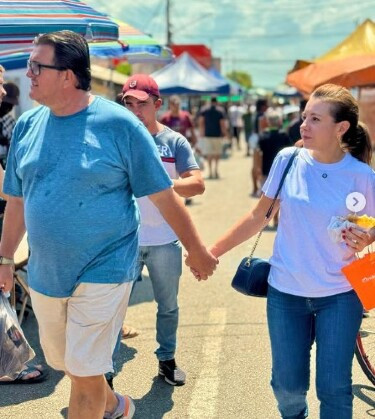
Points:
x=18 y=393
x=126 y=354
x=156 y=403
x=367 y=395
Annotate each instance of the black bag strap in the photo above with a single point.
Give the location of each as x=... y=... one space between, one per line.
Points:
x=286 y=170
x=269 y=212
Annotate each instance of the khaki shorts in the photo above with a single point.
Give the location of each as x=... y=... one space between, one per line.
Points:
x=78 y=334
x=211 y=146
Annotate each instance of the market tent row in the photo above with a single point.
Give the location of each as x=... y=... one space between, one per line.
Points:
x=186 y=76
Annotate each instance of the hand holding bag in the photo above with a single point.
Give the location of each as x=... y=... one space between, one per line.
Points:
x=251 y=277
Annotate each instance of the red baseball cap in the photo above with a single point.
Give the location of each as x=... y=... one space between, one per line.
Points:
x=140 y=86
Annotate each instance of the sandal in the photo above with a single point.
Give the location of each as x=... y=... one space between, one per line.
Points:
x=128 y=332
x=33 y=380
x=125 y=408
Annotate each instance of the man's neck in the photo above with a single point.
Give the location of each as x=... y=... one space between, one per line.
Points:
x=155 y=128
x=72 y=103
x=175 y=113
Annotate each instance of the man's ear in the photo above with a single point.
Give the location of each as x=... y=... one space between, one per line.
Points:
x=70 y=78
x=158 y=103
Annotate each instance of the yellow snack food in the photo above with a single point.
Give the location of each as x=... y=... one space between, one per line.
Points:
x=364 y=221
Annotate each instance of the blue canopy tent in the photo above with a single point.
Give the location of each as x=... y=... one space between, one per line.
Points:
x=186 y=76
x=235 y=88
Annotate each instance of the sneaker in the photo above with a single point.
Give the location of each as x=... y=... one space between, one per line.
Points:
x=125 y=408
x=171 y=373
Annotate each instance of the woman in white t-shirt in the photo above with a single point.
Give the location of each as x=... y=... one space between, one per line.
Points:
x=309 y=299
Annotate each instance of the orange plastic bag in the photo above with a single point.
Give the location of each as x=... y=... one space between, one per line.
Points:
x=361 y=275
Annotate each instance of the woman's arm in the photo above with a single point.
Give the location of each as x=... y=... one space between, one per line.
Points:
x=249 y=225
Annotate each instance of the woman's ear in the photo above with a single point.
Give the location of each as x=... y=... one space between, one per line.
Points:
x=343 y=127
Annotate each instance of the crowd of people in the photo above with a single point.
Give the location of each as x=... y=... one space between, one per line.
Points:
x=76 y=271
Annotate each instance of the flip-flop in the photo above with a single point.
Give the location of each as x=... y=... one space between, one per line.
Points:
x=33 y=380
x=129 y=332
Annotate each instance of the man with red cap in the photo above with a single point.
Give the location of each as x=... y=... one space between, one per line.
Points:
x=160 y=250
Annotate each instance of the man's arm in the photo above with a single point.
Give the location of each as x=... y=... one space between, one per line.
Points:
x=201 y=126
x=193 y=138
x=176 y=215
x=13 y=232
x=223 y=127
x=190 y=184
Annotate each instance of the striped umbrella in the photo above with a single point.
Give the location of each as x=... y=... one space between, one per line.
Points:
x=21 y=21
x=133 y=45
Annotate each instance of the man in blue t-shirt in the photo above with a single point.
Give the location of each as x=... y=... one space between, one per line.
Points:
x=160 y=249
x=74 y=167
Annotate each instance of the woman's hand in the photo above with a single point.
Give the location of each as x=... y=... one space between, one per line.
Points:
x=357 y=239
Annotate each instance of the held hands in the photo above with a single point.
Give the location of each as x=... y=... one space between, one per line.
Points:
x=357 y=239
x=201 y=262
x=6 y=278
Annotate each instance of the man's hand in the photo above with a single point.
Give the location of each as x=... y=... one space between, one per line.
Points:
x=202 y=263
x=6 y=278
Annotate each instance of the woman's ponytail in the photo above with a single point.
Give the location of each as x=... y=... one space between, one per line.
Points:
x=357 y=142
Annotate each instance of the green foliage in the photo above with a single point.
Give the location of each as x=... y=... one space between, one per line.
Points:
x=241 y=77
x=124 y=68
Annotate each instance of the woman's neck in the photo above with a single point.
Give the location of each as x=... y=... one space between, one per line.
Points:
x=327 y=156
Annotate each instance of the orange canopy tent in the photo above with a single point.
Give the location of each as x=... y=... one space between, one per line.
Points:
x=349 y=72
x=353 y=54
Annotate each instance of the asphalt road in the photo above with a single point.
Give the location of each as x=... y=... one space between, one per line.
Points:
x=222 y=342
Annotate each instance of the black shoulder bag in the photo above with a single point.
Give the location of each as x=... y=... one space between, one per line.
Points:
x=251 y=277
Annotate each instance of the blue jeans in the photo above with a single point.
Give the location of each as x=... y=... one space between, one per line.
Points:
x=164 y=264
x=294 y=323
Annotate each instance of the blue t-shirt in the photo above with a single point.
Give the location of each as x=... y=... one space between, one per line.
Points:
x=78 y=176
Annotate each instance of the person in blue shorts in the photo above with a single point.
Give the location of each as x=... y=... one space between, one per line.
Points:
x=75 y=165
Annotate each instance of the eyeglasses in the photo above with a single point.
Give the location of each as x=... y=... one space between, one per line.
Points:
x=35 y=67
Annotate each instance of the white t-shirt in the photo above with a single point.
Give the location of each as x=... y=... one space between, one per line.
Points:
x=305 y=262
x=177 y=157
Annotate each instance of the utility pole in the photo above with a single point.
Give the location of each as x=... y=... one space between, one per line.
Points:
x=168 y=22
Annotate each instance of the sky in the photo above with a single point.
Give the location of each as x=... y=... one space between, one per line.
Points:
x=261 y=37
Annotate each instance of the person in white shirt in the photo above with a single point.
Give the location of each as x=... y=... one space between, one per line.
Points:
x=309 y=299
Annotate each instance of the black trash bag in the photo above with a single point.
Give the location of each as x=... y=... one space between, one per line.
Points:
x=15 y=351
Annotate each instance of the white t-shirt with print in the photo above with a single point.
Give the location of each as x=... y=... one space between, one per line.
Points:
x=305 y=262
x=177 y=157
